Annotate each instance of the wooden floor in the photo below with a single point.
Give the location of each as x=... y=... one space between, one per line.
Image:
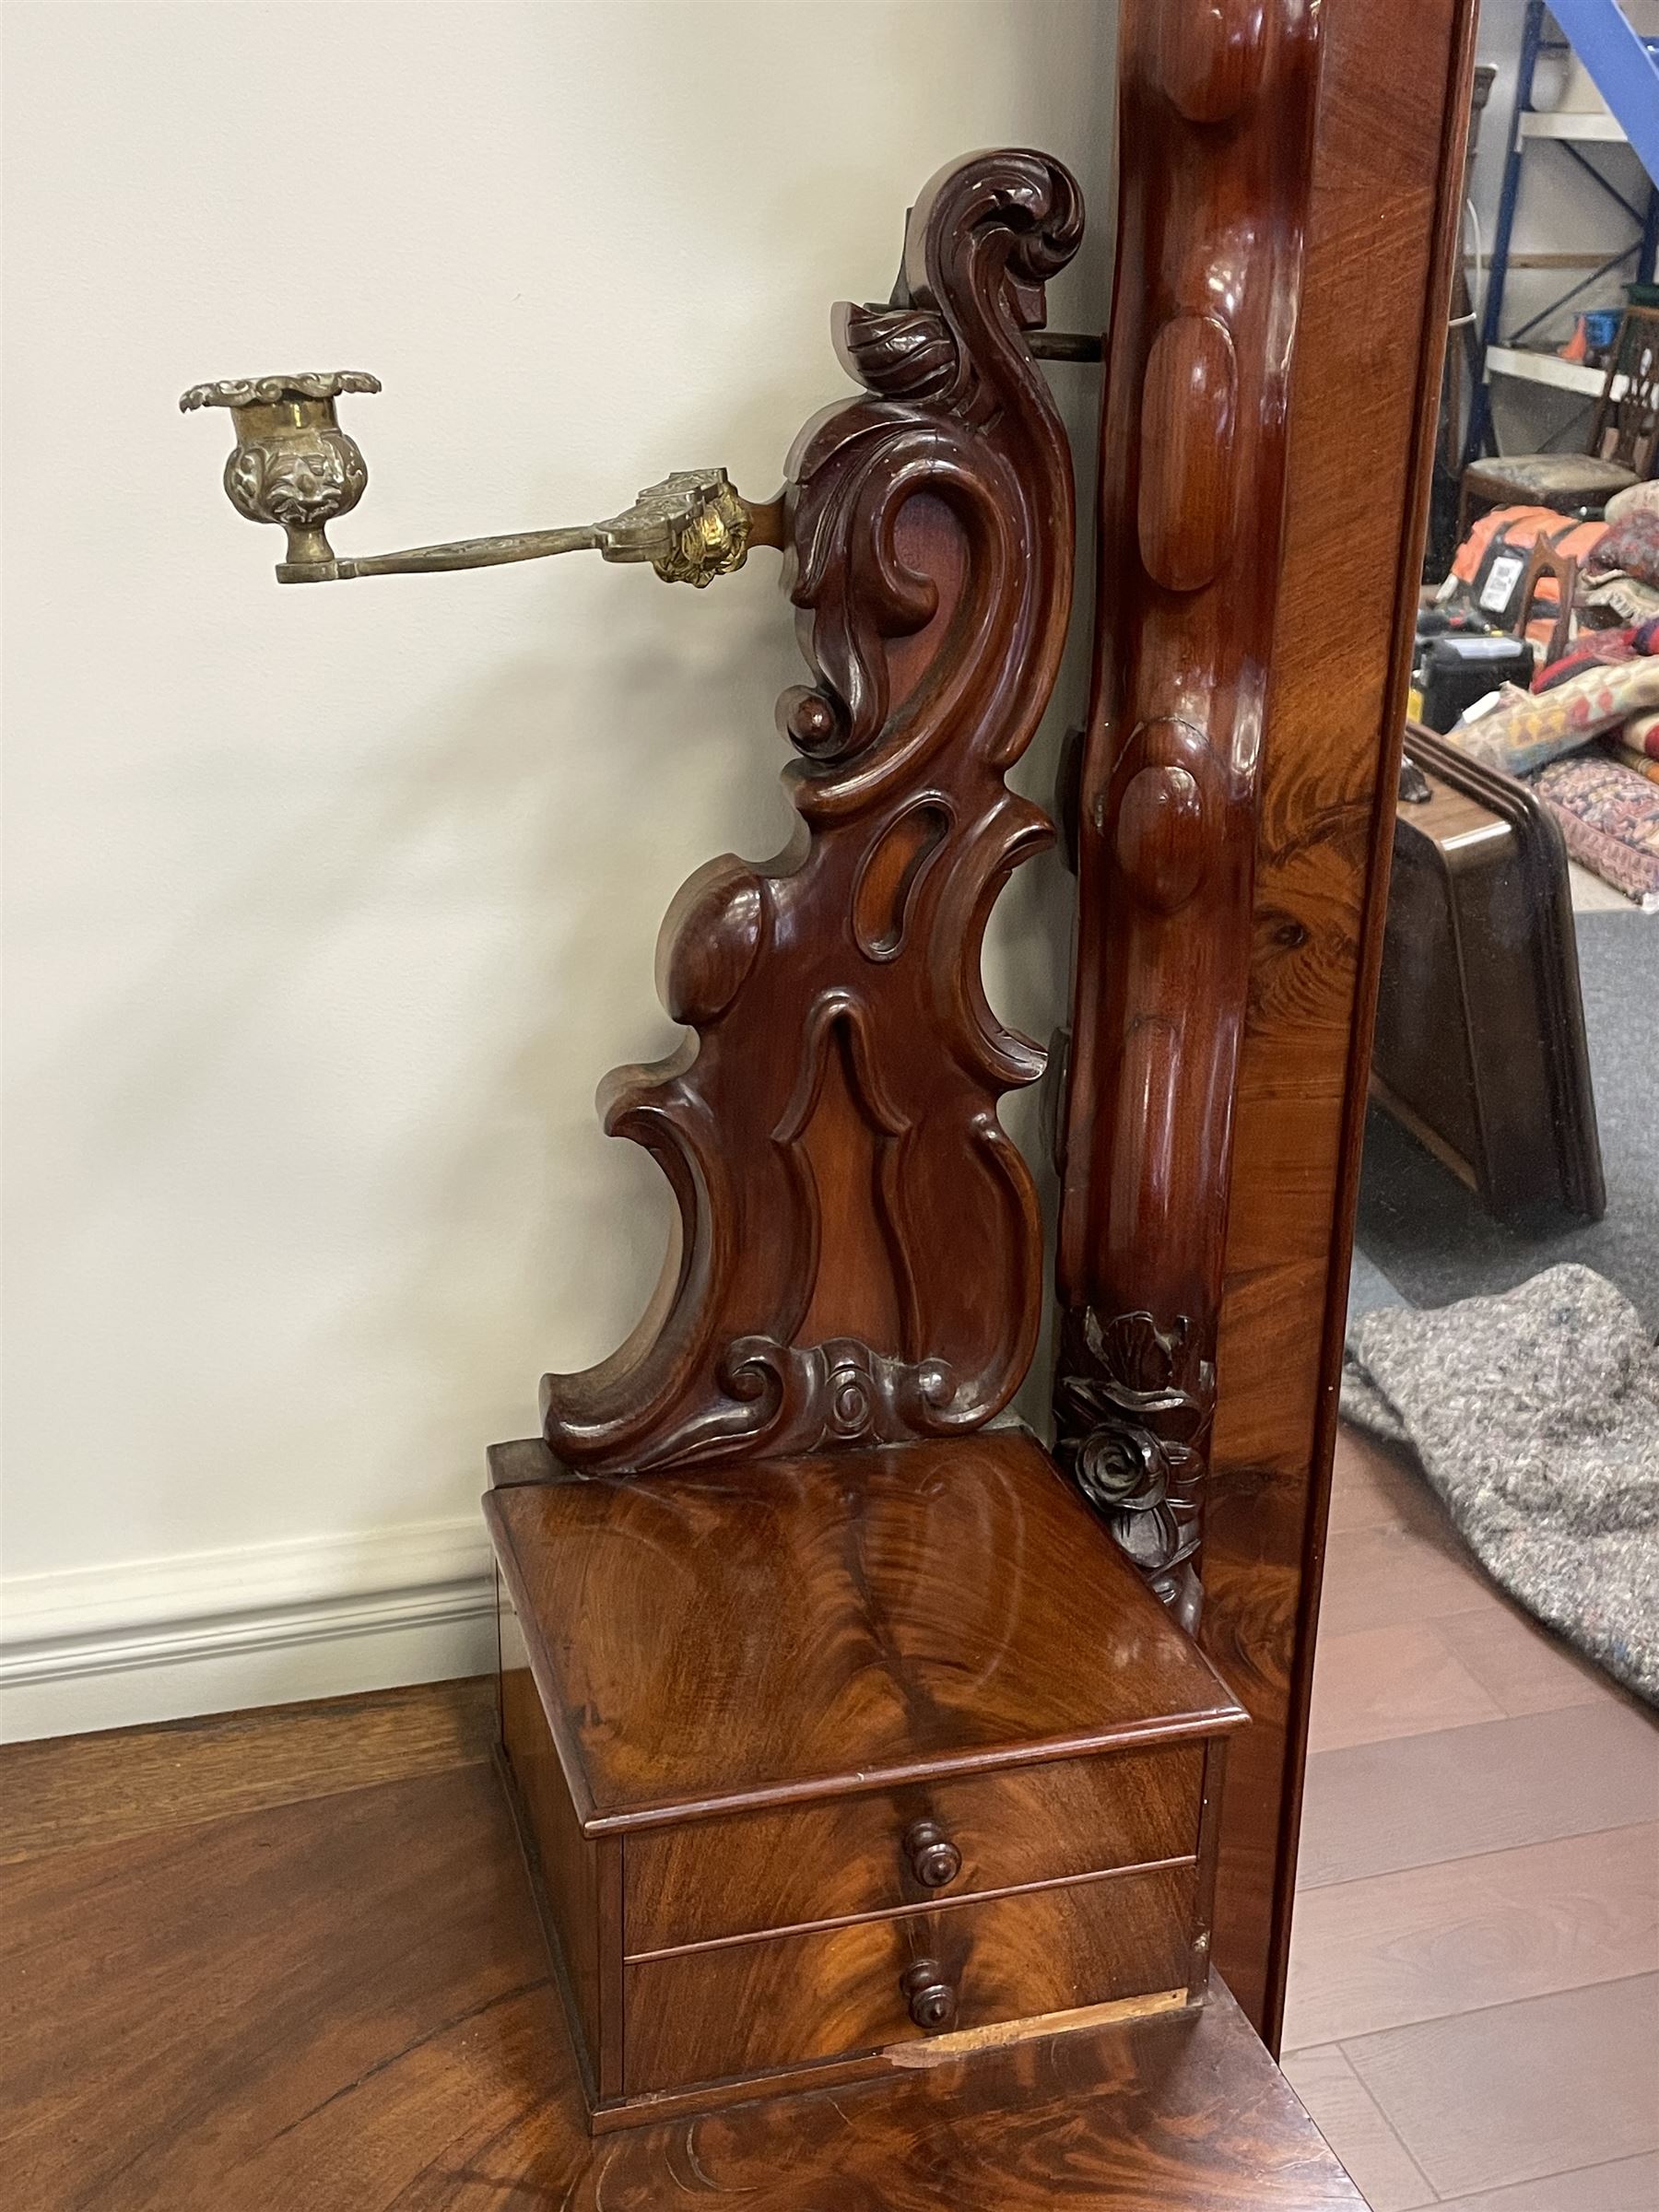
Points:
x=1473 y=2004
x=287 y=1961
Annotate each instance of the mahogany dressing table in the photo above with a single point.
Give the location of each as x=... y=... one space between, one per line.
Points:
x=810 y=1770
x=845 y=1739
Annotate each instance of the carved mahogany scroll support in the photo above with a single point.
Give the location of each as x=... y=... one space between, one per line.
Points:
x=1217 y=101
x=858 y=1257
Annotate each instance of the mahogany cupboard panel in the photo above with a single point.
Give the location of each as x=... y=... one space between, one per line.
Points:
x=1387 y=169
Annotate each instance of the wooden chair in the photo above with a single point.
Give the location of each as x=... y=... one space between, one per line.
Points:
x=1624 y=439
x=1562 y=571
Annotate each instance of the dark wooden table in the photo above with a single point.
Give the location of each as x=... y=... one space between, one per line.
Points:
x=287 y=1963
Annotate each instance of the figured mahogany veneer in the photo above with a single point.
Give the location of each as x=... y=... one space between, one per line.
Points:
x=740 y=1702
x=300 y=1946
x=1216 y=110
x=751 y=2008
x=1008 y=1827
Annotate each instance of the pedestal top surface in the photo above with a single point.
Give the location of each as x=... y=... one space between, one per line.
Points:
x=778 y=1629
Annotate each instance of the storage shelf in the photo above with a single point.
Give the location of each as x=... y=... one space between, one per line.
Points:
x=1573 y=123
x=1550 y=368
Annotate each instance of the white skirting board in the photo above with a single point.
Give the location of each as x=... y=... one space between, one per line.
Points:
x=163 y=1640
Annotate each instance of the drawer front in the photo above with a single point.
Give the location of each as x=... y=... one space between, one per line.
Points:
x=782 y=2001
x=709 y=1880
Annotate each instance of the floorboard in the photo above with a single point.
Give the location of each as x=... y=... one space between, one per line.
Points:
x=1406 y=1681
x=1379 y=1578
x=1414 y=1800
x=1622 y=2185
x=1520 y=1663
x=340 y=2002
x=1522 y=2092
x=1468 y=1933
x=1471 y=2006
x=1383 y=2170
x=130 y=1781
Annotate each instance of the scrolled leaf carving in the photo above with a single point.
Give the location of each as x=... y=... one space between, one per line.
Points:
x=859 y=1256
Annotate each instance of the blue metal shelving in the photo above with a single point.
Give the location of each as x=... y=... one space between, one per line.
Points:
x=1626 y=73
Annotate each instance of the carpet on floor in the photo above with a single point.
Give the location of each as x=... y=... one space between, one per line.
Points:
x=1536 y=1416
x=1429 y=1236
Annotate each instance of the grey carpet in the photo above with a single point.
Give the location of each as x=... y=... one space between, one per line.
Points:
x=1433 y=1241
x=1368 y=1287
x=1535 y=1416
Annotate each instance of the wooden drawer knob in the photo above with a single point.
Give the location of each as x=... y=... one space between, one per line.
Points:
x=931 y=1999
x=934 y=1858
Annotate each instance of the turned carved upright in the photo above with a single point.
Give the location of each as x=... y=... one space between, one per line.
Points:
x=810 y=1778
x=1216 y=115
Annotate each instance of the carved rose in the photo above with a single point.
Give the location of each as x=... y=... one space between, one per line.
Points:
x=1132 y=1402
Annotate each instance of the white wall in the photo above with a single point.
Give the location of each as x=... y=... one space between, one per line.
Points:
x=328 y=908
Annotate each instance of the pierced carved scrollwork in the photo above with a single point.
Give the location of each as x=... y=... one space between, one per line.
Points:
x=1133 y=1407
x=859 y=1255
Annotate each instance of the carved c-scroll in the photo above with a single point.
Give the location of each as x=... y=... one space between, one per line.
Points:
x=859 y=1256
x=1216 y=100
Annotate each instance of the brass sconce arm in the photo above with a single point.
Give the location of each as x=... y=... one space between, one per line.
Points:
x=294 y=465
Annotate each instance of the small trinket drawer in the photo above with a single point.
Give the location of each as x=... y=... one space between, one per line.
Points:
x=817 y=1760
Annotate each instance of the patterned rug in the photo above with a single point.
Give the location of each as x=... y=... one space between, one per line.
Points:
x=1536 y=1416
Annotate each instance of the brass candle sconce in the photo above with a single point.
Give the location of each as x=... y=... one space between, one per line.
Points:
x=294 y=465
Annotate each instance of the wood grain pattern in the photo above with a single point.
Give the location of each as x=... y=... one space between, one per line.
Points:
x=829 y=1129
x=1193 y=451
x=748 y=2008
x=567 y=1875
x=756 y=1633
x=1382 y=1578
x=1520 y=1663
x=131 y=1782
x=1381 y=2167
x=1378 y=252
x=831 y=1861
x=341 y=2002
x=1450 y=1937
x=1616 y=2185
x=1491 y=1787
x=1509 y=2121
x=1404 y=1680
x=730 y=1693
